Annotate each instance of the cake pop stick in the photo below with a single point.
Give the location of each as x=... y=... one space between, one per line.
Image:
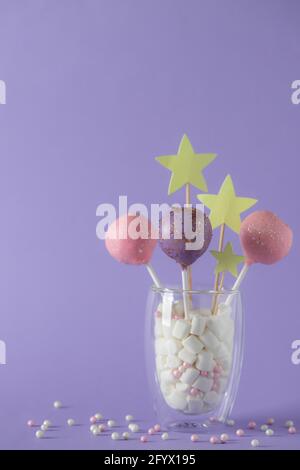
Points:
x=265 y=239
x=173 y=241
x=128 y=240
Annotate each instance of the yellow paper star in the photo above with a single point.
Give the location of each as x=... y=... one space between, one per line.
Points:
x=225 y=207
x=227 y=260
x=186 y=166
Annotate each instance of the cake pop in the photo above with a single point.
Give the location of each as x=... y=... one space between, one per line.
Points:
x=265 y=239
x=174 y=242
x=130 y=240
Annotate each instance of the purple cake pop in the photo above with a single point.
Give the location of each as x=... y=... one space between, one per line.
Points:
x=172 y=239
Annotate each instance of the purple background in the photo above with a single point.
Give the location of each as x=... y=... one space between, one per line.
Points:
x=95 y=90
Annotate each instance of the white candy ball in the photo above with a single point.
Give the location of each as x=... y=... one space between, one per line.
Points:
x=165 y=436
x=57 y=404
x=111 y=423
x=115 y=436
x=269 y=432
x=230 y=422
x=93 y=427
x=289 y=423
x=125 y=435
x=44 y=428
x=255 y=442
x=224 y=437
x=96 y=431
x=39 y=434
x=129 y=418
x=98 y=416
x=264 y=427
x=133 y=427
x=71 y=422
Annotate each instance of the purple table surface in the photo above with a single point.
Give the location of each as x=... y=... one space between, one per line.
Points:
x=96 y=90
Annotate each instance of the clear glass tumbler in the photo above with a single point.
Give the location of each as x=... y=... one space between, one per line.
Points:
x=194 y=350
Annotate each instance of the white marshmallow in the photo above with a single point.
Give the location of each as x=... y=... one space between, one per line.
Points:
x=177 y=400
x=211 y=397
x=205 y=312
x=210 y=340
x=223 y=308
x=166 y=377
x=173 y=346
x=166 y=389
x=195 y=405
x=167 y=308
x=181 y=387
x=220 y=325
x=189 y=376
x=159 y=308
x=173 y=361
x=186 y=356
x=160 y=346
x=222 y=384
x=168 y=329
x=193 y=344
x=181 y=329
x=161 y=362
x=203 y=383
x=178 y=308
x=205 y=361
x=198 y=325
x=158 y=331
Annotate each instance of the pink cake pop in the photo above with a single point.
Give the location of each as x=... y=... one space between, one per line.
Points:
x=265 y=239
x=129 y=240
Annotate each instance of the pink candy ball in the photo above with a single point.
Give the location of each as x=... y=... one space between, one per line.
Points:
x=240 y=432
x=157 y=427
x=194 y=437
x=143 y=439
x=123 y=247
x=93 y=419
x=265 y=238
x=251 y=425
x=193 y=392
x=224 y=438
x=214 y=440
x=151 y=431
x=292 y=430
x=30 y=423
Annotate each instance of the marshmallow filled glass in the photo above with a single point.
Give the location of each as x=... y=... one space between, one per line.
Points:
x=193 y=360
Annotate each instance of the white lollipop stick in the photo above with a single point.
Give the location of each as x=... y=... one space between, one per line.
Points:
x=238 y=282
x=154 y=276
x=185 y=286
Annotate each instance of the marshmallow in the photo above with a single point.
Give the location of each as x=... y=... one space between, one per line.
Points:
x=203 y=383
x=210 y=340
x=222 y=382
x=186 y=356
x=223 y=308
x=193 y=344
x=173 y=346
x=181 y=387
x=219 y=325
x=161 y=362
x=168 y=329
x=198 y=325
x=205 y=312
x=177 y=400
x=195 y=405
x=189 y=376
x=178 y=308
x=205 y=361
x=173 y=361
x=160 y=346
x=211 y=398
x=181 y=329
x=158 y=331
x=166 y=377
x=159 y=308
x=166 y=389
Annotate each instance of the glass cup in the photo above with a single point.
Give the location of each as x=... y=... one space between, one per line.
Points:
x=194 y=350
